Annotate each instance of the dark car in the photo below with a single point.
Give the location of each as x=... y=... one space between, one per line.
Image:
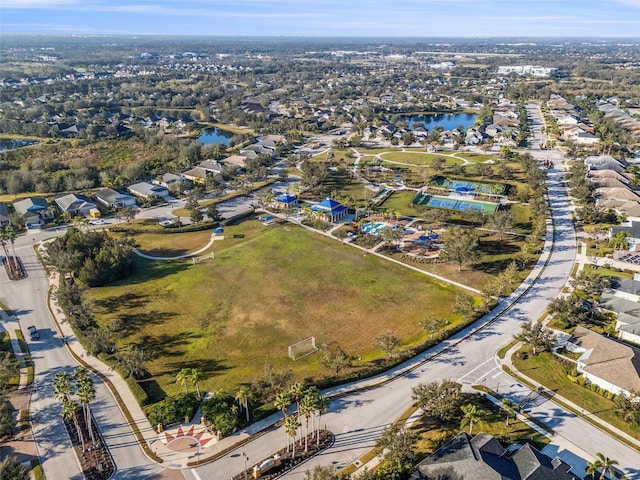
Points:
x=33 y=333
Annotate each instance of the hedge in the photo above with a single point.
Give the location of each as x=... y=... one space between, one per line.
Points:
x=138 y=392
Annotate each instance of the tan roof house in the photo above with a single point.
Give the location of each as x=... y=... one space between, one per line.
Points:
x=605 y=362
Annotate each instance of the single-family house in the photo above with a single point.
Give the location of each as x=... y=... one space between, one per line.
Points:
x=473 y=137
x=331 y=209
x=5 y=221
x=113 y=199
x=605 y=362
x=196 y=175
x=168 y=179
x=35 y=210
x=75 y=204
x=236 y=160
x=627 y=313
x=604 y=162
x=634 y=232
x=482 y=457
x=148 y=190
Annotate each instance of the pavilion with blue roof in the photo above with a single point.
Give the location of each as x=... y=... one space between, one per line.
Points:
x=332 y=209
x=286 y=201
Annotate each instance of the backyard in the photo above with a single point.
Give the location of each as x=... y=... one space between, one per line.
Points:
x=231 y=316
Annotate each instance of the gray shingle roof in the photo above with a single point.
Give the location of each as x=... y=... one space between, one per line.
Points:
x=483 y=458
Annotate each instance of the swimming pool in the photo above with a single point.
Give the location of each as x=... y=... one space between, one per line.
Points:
x=372 y=228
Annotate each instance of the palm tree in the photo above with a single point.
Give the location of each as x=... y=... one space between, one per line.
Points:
x=322 y=405
x=296 y=392
x=62 y=390
x=244 y=396
x=10 y=235
x=195 y=376
x=86 y=393
x=69 y=409
x=282 y=402
x=307 y=407
x=510 y=409
x=291 y=426
x=471 y=416
x=603 y=463
x=182 y=378
x=3 y=242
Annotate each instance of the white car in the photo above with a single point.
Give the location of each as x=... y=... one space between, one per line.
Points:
x=96 y=221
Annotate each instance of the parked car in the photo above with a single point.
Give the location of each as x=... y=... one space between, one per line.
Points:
x=33 y=332
x=97 y=221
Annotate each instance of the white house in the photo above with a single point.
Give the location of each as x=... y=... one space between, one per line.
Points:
x=148 y=190
x=607 y=363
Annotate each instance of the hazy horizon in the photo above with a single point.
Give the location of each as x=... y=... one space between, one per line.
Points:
x=330 y=18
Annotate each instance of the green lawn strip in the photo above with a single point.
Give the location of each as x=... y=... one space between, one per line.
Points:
x=262 y=293
x=27 y=356
x=414 y=157
x=402 y=202
x=608 y=272
x=170 y=245
x=549 y=371
x=503 y=351
x=123 y=407
x=5 y=346
x=36 y=470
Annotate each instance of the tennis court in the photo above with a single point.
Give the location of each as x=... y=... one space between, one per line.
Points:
x=447 y=203
x=457 y=185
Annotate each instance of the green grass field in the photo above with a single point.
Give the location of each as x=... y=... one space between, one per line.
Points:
x=415 y=157
x=276 y=286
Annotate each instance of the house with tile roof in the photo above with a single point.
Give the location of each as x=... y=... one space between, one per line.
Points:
x=626 y=309
x=331 y=209
x=482 y=457
x=607 y=363
x=35 y=210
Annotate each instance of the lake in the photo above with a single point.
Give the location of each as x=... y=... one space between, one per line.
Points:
x=448 y=121
x=214 y=135
x=12 y=144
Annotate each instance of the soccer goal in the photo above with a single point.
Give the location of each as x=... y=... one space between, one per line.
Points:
x=203 y=258
x=303 y=348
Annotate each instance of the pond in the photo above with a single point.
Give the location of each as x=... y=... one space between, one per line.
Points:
x=448 y=121
x=12 y=144
x=215 y=135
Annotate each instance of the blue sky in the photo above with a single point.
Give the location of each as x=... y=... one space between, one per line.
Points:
x=424 y=18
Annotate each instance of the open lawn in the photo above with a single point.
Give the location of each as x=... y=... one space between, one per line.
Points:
x=171 y=245
x=547 y=370
x=232 y=316
x=415 y=157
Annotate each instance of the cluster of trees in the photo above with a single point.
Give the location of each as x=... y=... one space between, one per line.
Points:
x=173 y=409
x=578 y=307
x=94 y=258
x=309 y=402
x=71 y=390
x=8 y=236
x=536 y=336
